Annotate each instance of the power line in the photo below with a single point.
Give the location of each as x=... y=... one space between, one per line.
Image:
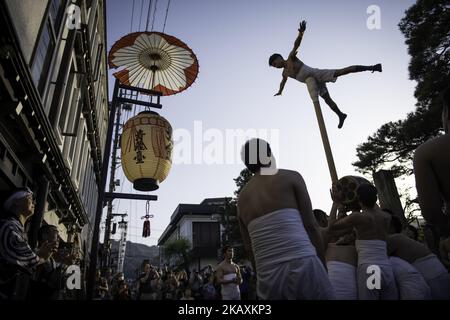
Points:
x=142 y=9
x=148 y=15
x=154 y=12
x=165 y=19
x=132 y=18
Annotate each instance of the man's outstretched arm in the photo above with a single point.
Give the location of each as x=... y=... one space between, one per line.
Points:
x=297 y=42
x=282 y=83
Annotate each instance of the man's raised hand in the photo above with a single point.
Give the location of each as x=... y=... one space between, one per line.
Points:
x=302 y=26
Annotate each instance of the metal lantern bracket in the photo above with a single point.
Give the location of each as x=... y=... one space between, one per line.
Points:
x=104 y=196
x=130 y=196
x=157 y=94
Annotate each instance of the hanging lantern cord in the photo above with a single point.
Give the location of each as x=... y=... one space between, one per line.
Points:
x=147 y=209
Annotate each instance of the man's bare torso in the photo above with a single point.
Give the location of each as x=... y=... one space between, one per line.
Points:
x=226 y=267
x=293 y=66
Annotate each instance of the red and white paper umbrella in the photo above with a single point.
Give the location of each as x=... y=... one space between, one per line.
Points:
x=154 y=60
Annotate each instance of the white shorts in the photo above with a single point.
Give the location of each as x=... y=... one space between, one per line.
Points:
x=320 y=75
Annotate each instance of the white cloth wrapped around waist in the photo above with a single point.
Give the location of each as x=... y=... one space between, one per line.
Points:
x=229 y=276
x=410 y=282
x=372 y=252
x=278 y=237
x=435 y=275
x=402 y=269
x=343 y=279
x=430 y=266
x=230 y=291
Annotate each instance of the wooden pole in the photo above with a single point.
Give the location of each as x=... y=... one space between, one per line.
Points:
x=313 y=90
x=326 y=142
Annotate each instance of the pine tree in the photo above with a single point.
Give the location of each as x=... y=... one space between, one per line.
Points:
x=426 y=27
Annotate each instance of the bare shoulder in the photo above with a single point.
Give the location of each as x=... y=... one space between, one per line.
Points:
x=220 y=266
x=244 y=190
x=243 y=195
x=423 y=152
x=289 y=173
x=294 y=177
x=359 y=217
x=383 y=215
x=394 y=238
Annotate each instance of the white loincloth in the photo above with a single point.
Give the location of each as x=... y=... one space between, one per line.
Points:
x=321 y=75
x=287 y=265
x=230 y=291
x=435 y=275
x=410 y=282
x=343 y=279
x=372 y=254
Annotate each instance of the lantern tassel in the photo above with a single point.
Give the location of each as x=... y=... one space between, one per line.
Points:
x=146 y=229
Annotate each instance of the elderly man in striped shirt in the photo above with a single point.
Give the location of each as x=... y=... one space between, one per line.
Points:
x=16 y=256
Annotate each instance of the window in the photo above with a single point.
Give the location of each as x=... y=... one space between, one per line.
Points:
x=56 y=13
x=78 y=163
x=205 y=234
x=43 y=58
x=91 y=28
x=98 y=63
x=68 y=96
x=46 y=44
x=74 y=124
x=71 y=126
x=85 y=160
x=85 y=185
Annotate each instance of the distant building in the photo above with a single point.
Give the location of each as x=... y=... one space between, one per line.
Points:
x=54 y=111
x=197 y=224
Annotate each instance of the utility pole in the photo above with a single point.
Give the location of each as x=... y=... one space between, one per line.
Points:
x=112 y=187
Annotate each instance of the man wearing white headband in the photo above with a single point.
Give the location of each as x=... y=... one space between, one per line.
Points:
x=16 y=256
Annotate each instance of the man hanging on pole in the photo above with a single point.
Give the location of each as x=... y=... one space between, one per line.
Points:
x=296 y=69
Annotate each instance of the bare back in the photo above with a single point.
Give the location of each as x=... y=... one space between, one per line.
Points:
x=341 y=253
x=264 y=194
x=373 y=224
x=406 y=248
